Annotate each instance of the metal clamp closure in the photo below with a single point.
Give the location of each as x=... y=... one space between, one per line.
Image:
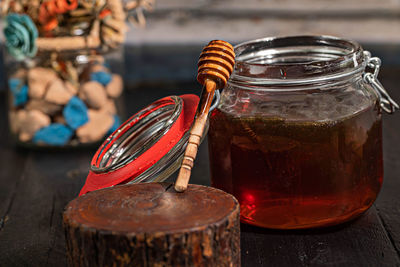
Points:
x=385 y=101
x=216 y=100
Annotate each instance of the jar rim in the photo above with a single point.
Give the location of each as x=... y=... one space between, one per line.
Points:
x=297 y=60
x=147 y=147
x=137 y=134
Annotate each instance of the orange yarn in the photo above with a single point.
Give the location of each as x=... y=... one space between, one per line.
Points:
x=48 y=11
x=51 y=24
x=104 y=13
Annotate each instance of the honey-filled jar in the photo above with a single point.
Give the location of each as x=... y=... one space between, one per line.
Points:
x=297 y=135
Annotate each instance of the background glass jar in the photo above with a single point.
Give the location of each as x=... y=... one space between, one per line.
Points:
x=297 y=135
x=64 y=99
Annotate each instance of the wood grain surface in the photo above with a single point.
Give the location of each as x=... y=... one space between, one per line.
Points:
x=35 y=186
x=151 y=224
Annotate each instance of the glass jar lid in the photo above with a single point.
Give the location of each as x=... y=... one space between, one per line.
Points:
x=148 y=147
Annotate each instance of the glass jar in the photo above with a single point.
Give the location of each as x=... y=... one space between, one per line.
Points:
x=66 y=99
x=148 y=147
x=297 y=136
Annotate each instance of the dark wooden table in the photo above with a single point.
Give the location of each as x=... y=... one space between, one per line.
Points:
x=35 y=186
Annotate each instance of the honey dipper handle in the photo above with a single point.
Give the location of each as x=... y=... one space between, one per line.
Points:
x=196 y=134
x=215 y=65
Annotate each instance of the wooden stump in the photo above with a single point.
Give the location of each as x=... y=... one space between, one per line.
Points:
x=150 y=224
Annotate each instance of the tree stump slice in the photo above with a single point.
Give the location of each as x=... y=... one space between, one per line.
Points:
x=150 y=224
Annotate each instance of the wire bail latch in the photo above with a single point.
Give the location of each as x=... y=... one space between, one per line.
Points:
x=385 y=101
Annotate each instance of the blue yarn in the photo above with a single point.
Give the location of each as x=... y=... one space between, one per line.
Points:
x=101 y=76
x=20 y=35
x=75 y=113
x=55 y=134
x=19 y=91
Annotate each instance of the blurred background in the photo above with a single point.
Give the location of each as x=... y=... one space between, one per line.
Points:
x=167 y=48
x=160 y=60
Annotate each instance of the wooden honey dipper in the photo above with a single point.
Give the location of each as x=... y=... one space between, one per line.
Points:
x=113 y=215
x=215 y=65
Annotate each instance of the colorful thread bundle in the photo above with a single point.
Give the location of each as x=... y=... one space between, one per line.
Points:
x=48 y=11
x=79 y=24
x=63 y=92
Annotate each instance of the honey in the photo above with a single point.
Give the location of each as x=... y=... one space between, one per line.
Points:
x=290 y=174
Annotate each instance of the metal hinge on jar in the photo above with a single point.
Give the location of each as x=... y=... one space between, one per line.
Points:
x=385 y=101
x=216 y=100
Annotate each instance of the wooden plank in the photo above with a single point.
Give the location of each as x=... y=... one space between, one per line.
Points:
x=158 y=63
x=177 y=63
x=197 y=21
x=12 y=165
x=361 y=243
x=274 y=5
x=3 y=83
x=33 y=233
x=388 y=203
x=174 y=21
x=182 y=29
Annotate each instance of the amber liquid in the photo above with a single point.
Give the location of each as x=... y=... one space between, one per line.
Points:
x=293 y=174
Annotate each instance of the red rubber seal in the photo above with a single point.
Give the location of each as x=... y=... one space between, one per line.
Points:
x=130 y=171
